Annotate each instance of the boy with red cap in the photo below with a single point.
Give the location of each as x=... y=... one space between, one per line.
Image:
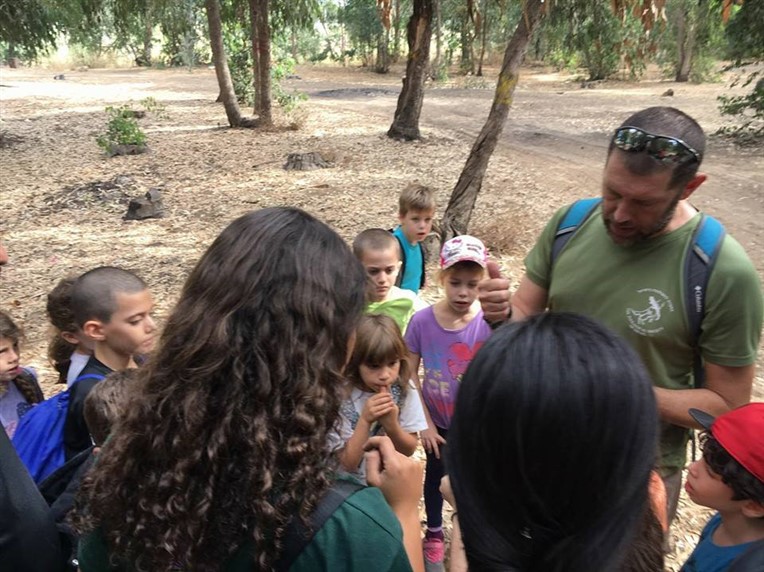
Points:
x=730 y=479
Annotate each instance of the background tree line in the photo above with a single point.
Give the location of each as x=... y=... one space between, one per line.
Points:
x=254 y=44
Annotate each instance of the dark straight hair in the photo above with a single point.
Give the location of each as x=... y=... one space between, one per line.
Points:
x=551 y=445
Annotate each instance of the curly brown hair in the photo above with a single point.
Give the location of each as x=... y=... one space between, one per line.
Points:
x=226 y=437
x=61 y=316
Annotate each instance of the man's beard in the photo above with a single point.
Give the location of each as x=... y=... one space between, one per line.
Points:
x=641 y=236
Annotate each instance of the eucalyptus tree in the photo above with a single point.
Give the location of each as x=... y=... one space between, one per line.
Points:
x=462 y=202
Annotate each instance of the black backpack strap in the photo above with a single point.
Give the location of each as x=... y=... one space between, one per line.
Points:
x=422 y=280
x=699 y=262
x=573 y=219
x=399 y=278
x=297 y=536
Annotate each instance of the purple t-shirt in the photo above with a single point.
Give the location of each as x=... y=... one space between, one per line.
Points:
x=446 y=355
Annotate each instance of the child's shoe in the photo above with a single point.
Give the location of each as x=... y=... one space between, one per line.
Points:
x=434 y=550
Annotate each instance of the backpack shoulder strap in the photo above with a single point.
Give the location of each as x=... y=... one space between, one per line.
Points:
x=402 y=250
x=702 y=252
x=422 y=278
x=577 y=214
x=96 y=376
x=297 y=536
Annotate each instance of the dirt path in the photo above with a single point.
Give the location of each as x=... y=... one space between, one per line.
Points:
x=561 y=130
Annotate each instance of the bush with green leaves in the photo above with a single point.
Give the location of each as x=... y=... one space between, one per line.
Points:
x=122 y=130
x=745 y=36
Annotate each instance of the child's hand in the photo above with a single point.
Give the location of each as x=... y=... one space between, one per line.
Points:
x=431 y=441
x=389 y=419
x=377 y=406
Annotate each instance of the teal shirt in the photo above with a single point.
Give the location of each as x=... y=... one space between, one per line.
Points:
x=362 y=534
x=413 y=267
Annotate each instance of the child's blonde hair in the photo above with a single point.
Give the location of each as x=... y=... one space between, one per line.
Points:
x=464 y=265
x=416 y=197
x=378 y=341
x=61 y=316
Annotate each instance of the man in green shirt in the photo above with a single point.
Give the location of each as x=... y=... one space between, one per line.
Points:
x=624 y=266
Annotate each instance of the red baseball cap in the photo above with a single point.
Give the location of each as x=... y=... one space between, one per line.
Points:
x=741 y=433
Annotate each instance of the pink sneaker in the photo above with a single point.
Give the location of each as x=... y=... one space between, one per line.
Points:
x=434 y=551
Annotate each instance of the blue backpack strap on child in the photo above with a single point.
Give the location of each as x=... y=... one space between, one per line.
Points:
x=699 y=261
x=39 y=437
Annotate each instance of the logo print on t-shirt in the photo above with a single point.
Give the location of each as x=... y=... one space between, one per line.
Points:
x=653 y=306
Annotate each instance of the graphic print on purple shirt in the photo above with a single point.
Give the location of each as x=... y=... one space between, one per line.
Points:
x=445 y=355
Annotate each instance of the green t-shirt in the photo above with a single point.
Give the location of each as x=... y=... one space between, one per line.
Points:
x=362 y=534
x=638 y=292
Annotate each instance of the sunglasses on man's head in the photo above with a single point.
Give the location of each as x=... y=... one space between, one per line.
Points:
x=667 y=150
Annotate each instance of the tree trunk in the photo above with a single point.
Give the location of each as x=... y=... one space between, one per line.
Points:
x=419 y=31
x=483 y=36
x=227 y=94
x=148 y=36
x=396 y=31
x=262 y=39
x=255 y=55
x=382 y=64
x=685 y=41
x=466 y=64
x=457 y=216
x=438 y=35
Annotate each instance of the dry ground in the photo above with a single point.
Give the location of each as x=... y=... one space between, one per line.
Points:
x=551 y=153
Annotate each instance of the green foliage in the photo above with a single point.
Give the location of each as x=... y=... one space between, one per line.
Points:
x=122 y=129
x=279 y=72
x=703 y=25
x=157 y=108
x=745 y=36
x=363 y=26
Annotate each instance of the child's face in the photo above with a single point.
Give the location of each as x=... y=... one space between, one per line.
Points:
x=416 y=224
x=9 y=359
x=706 y=488
x=379 y=378
x=131 y=329
x=461 y=285
x=382 y=268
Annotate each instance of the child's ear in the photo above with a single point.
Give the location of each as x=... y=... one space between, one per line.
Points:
x=94 y=329
x=753 y=509
x=70 y=337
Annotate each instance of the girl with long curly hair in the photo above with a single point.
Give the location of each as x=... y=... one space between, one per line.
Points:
x=225 y=440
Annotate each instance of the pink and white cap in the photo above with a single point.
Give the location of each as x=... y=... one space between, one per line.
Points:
x=463 y=248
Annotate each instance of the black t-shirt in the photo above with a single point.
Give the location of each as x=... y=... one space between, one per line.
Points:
x=28 y=537
x=76 y=434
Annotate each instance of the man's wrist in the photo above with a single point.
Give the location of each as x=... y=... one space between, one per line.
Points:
x=493 y=324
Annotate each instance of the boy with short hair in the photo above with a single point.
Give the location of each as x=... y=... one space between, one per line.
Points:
x=113 y=308
x=379 y=254
x=416 y=209
x=730 y=479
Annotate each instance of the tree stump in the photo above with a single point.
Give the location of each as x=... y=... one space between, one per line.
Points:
x=151 y=206
x=305 y=162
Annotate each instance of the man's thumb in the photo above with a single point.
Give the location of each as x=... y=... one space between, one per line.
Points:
x=493 y=270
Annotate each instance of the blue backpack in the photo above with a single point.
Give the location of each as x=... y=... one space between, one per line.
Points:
x=39 y=437
x=699 y=261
